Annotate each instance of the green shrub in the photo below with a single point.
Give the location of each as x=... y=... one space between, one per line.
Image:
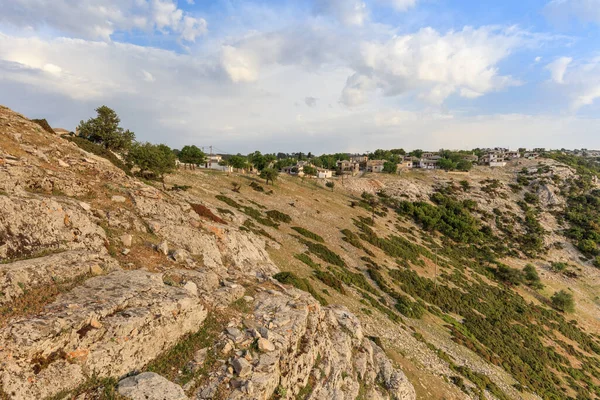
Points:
x=323 y=253
x=330 y=280
x=99 y=151
x=279 y=216
x=306 y=233
x=290 y=278
x=563 y=301
x=307 y=260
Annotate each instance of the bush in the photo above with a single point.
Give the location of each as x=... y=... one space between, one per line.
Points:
x=508 y=275
x=563 y=301
x=330 y=280
x=279 y=216
x=153 y=160
x=305 y=258
x=99 y=151
x=324 y=253
x=308 y=234
x=531 y=275
x=290 y=278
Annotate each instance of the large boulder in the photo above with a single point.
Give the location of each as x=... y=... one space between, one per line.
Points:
x=110 y=326
x=150 y=386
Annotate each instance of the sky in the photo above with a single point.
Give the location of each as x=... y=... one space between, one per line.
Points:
x=314 y=76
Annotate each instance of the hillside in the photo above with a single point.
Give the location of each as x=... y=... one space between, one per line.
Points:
x=386 y=287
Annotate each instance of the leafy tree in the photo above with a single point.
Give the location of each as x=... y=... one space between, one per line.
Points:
x=310 y=170
x=105 y=130
x=152 y=159
x=269 y=174
x=237 y=161
x=390 y=167
x=563 y=301
x=416 y=153
x=261 y=161
x=192 y=155
x=330 y=184
x=464 y=165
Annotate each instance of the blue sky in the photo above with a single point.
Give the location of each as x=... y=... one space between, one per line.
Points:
x=314 y=75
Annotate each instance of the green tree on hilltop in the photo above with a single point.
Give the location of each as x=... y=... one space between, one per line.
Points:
x=153 y=160
x=105 y=130
x=191 y=155
x=269 y=174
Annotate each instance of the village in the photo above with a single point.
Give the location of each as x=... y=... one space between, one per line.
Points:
x=356 y=164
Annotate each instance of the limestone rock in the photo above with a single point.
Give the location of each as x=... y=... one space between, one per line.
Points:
x=140 y=317
x=127 y=240
x=163 y=247
x=242 y=367
x=150 y=386
x=23 y=275
x=265 y=346
x=118 y=199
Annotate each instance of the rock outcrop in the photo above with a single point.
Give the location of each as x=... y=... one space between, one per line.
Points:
x=150 y=386
x=110 y=325
x=66 y=216
x=304 y=345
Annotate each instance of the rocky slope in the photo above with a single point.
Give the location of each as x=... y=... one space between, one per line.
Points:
x=106 y=279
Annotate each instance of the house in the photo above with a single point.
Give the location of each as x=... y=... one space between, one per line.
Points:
x=512 y=155
x=531 y=155
x=375 y=165
x=359 y=159
x=405 y=164
x=471 y=158
x=429 y=163
x=324 y=173
x=494 y=158
x=297 y=169
x=348 y=167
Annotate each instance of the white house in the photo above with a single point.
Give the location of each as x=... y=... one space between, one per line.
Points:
x=324 y=173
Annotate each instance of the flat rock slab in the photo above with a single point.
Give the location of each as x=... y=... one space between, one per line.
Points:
x=19 y=276
x=110 y=325
x=150 y=386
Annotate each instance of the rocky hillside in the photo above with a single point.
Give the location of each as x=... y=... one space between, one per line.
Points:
x=112 y=288
x=427 y=285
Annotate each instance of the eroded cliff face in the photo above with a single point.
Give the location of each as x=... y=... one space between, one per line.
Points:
x=77 y=314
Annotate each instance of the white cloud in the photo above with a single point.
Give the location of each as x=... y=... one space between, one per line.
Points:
x=558 y=68
x=560 y=11
x=436 y=65
x=400 y=5
x=348 y=12
x=100 y=19
x=579 y=81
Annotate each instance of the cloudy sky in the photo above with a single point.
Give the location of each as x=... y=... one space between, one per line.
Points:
x=311 y=75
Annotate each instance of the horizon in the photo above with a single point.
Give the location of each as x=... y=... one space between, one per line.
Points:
x=320 y=76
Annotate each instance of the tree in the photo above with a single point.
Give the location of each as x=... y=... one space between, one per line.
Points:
x=238 y=162
x=269 y=174
x=330 y=184
x=309 y=170
x=192 y=155
x=390 y=167
x=532 y=277
x=105 y=130
x=152 y=159
x=563 y=301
